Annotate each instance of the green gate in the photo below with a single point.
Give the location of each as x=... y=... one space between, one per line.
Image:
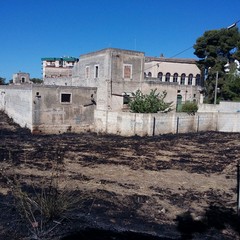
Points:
x=179 y=103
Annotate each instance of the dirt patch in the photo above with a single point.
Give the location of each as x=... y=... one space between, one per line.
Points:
x=170 y=186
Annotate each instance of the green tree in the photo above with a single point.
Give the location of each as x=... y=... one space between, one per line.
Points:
x=214 y=49
x=36 y=80
x=2 y=81
x=149 y=103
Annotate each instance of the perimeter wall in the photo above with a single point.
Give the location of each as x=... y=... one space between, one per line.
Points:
x=129 y=124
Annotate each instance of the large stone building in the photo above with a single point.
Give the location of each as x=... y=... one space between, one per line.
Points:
x=118 y=73
x=88 y=93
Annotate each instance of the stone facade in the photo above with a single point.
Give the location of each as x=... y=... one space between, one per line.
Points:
x=113 y=71
x=21 y=78
x=118 y=73
x=121 y=72
x=49 y=109
x=180 y=71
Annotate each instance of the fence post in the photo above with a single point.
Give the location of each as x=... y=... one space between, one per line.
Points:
x=154 y=125
x=238 y=189
x=177 y=124
x=197 y=123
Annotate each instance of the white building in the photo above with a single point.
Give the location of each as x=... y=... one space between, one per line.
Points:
x=181 y=71
x=57 y=67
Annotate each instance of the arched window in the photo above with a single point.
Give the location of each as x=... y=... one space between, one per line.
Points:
x=160 y=74
x=145 y=75
x=198 y=80
x=175 y=77
x=167 y=77
x=190 y=78
x=183 y=76
x=149 y=74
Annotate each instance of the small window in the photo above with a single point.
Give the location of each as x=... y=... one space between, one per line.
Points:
x=23 y=79
x=96 y=71
x=87 y=72
x=167 y=77
x=149 y=74
x=126 y=98
x=198 y=80
x=127 y=71
x=66 y=97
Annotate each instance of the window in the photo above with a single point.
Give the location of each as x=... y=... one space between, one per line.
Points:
x=96 y=71
x=145 y=75
x=198 y=80
x=175 y=77
x=183 y=76
x=66 y=97
x=190 y=78
x=87 y=72
x=126 y=98
x=160 y=74
x=23 y=79
x=127 y=71
x=167 y=77
x=149 y=74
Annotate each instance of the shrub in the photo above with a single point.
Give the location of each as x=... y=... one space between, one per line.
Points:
x=42 y=208
x=190 y=107
x=149 y=103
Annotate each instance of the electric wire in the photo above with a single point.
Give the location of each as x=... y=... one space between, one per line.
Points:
x=175 y=55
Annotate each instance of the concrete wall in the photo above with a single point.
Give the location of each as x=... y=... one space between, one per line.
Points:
x=221 y=107
x=229 y=107
x=54 y=114
x=110 y=81
x=91 y=61
x=62 y=81
x=130 y=124
x=16 y=101
x=49 y=109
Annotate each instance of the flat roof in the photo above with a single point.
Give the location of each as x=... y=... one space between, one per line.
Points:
x=171 y=60
x=67 y=59
x=109 y=50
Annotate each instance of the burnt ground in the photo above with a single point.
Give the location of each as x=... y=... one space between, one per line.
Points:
x=163 y=187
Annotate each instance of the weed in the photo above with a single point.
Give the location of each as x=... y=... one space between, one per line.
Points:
x=43 y=207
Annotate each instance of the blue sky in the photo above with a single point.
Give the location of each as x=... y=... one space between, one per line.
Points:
x=32 y=29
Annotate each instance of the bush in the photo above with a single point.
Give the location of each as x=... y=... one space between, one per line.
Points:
x=149 y=103
x=42 y=208
x=190 y=107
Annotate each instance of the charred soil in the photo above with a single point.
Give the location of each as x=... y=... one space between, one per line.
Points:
x=164 y=187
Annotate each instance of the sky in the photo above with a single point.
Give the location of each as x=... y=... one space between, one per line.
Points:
x=34 y=29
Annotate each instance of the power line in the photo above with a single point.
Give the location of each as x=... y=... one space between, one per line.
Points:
x=229 y=27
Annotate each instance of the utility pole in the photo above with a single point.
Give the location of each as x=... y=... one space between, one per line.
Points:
x=216 y=89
